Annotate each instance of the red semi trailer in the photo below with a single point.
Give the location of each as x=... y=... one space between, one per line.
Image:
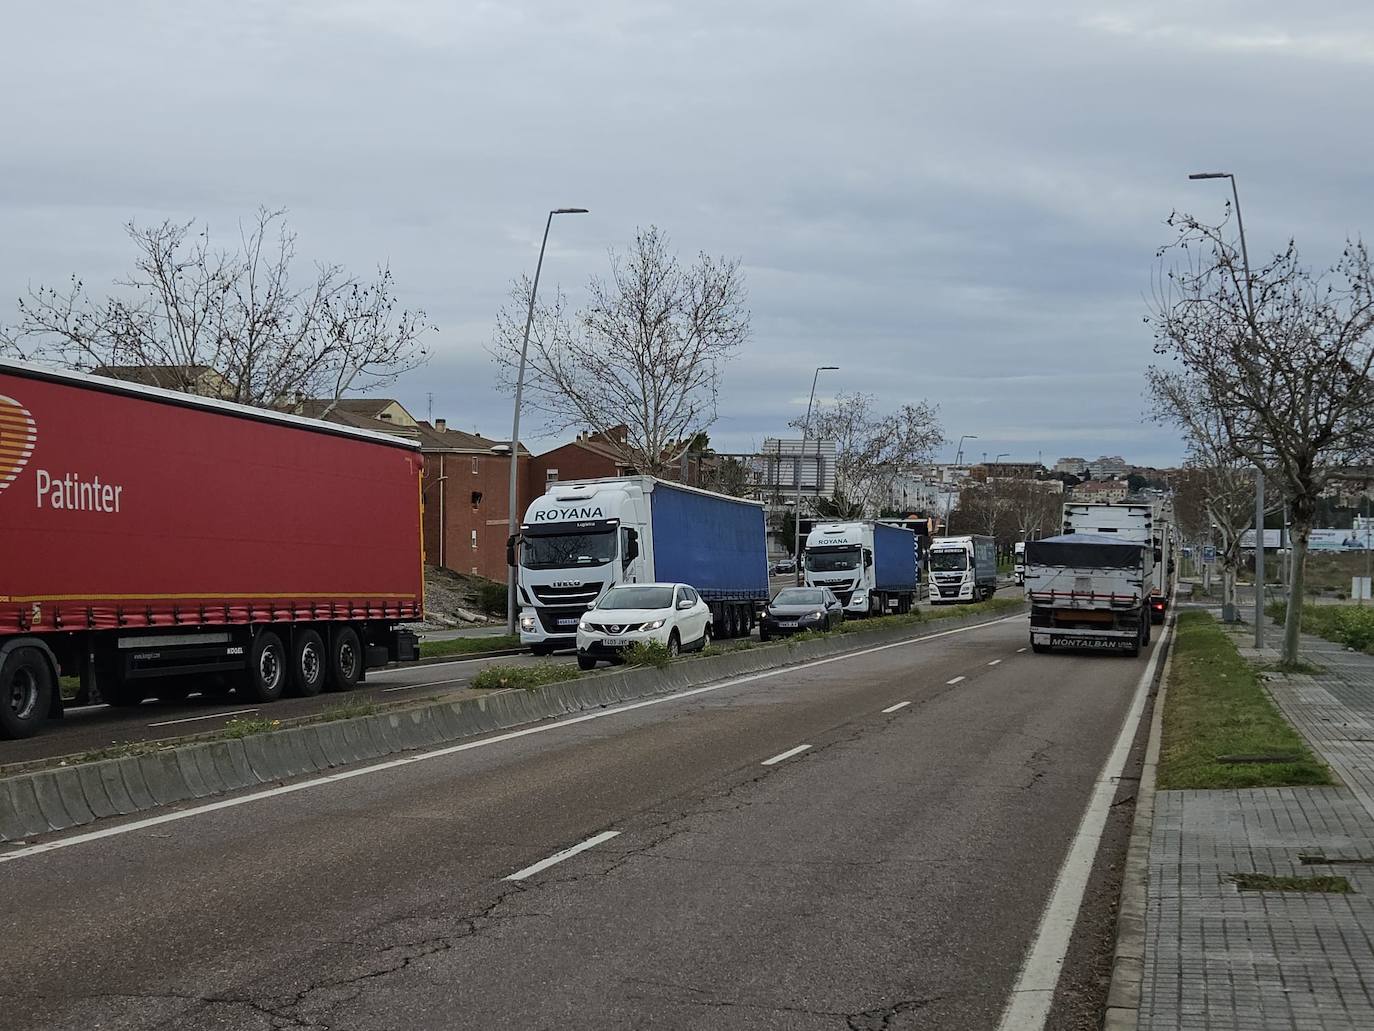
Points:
x=154 y=543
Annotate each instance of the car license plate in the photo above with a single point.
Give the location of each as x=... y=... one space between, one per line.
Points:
x=787 y=624
x=568 y=621
x=616 y=642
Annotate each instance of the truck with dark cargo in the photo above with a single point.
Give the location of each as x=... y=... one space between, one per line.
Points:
x=1146 y=523
x=156 y=544
x=962 y=568
x=873 y=568
x=1089 y=591
x=583 y=537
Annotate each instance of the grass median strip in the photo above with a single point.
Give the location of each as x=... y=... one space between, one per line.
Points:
x=1350 y=625
x=1217 y=710
x=497 y=678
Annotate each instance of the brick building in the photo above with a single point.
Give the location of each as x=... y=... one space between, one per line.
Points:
x=466 y=487
x=587 y=457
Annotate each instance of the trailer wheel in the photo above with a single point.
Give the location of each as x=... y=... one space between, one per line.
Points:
x=541 y=648
x=345 y=660
x=1039 y=649
x=267 y=672
x=309 y=664
x=26 y=692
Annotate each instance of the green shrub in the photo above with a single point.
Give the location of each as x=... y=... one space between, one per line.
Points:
x=247 y=728
x=492 y=598
x=647 y=653
x=495 y=678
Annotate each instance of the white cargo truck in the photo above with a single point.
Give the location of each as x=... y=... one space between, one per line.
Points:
x=1089 y=591
x=962 y=568
x=1145 y=523
x=871 y=567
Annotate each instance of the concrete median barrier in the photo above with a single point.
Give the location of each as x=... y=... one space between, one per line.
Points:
x=43 y=802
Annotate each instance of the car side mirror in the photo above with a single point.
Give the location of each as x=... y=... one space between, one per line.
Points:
x=631 y=545
x=683 y=605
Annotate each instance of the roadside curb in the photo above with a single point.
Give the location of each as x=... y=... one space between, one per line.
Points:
x=430 y=660
x=1128 y=960
x=38 y=803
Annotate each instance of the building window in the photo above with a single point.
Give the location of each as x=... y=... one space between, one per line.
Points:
x=550 y=476
x=476 y=468
x=476 y=498
x=474 y=540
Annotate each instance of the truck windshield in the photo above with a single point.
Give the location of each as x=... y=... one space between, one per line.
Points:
x=948 y=561
x=637 y=598
x=832 y=561
x=562 y=552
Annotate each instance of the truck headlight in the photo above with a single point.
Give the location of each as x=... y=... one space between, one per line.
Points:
x=653 y=624
x=527 y=623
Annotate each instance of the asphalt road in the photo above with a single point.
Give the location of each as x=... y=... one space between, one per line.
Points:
x=89 y=728
x=889 y=875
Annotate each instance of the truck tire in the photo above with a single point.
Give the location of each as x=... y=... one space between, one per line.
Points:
x=541 y=649
x=309 y=664
x=268 y=672
x=1039 y=649
x=26 y=692
x=345 y=660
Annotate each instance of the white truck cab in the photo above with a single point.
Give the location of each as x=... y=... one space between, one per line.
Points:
x=962 y=568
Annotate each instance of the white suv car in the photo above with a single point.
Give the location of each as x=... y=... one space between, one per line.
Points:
x=672 y=615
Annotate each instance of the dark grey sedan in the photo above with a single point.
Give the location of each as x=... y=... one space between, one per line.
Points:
x=796 y=609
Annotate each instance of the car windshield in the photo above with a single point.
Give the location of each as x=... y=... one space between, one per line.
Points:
x=798 y=596
x=948 y=561
x=832 y=561
x=567 y=550
x=637 y=598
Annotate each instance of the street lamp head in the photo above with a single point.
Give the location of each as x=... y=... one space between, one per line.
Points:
x=1210 y=175
x=570 y=211
x=828 y=368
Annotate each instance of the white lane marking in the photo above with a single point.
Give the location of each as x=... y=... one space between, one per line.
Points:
x=994 y=662
x=439 y=753
x=558 y=857
x=403 y=687
x=955 y=680
x=894 y=708
x=785 y=755
x=1019 y=650
x=209 y=716
x=1029 y=1005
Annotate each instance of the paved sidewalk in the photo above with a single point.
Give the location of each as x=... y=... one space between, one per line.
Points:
x=1217 y=957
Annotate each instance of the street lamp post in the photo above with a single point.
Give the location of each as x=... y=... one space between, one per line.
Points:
x=801 y=459
x=1259 y=469
x=949 y=495
x=513 y=519
x=992 y=494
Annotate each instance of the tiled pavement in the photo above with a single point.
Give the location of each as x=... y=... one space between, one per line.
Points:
x=1217 y=957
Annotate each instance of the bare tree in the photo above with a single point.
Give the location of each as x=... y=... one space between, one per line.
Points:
x=228 y=323
x=1281 y=361
x=646 y=352
x=873 y=449
x=1217 y=486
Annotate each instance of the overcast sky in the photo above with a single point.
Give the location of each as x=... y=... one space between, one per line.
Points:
x=957 y=201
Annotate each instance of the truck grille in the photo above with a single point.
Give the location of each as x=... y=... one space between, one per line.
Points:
x=583 y=595
x=561 y=621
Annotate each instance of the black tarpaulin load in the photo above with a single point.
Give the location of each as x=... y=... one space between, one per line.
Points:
x=1084 y=551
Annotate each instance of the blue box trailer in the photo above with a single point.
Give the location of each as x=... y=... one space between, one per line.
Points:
x=896 y=559
x=718 y=544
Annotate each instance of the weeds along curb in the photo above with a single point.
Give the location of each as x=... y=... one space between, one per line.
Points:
x=33 y=804
x=1128 y=959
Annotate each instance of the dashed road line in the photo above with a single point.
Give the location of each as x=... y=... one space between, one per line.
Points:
x=955 y=680
x=1019 y=650
x=994 y=662
x=894 y=708
x=785 y=755
x=558 y=857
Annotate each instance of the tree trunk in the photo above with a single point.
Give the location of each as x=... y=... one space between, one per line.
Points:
x=1228 y=589
x=1292 y=624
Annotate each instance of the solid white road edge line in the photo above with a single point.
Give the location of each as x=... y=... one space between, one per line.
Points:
x=955 y=680
x=208 y=716
x=894 y=708
x=438 y=753
x=558 y=857
x=785 y=755
x=1029 y=1005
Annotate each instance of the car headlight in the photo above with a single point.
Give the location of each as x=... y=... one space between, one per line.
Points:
x=584 y=626
x=527 y=622
x=818 y=615
x=653 y=624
